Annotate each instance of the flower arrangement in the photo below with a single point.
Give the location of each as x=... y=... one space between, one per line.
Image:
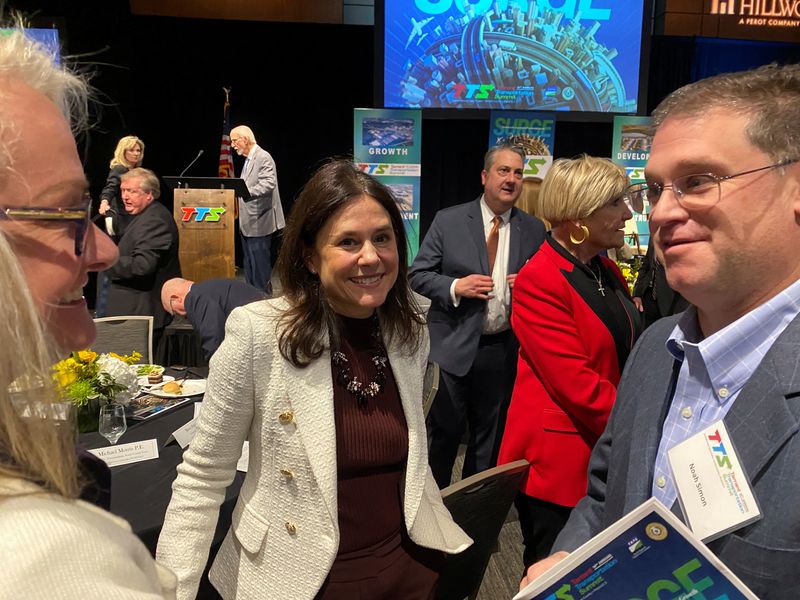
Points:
x=630 y=270
x=89 y=380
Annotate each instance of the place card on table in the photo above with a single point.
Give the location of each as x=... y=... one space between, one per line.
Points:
x=123 y=454
x=183 y=435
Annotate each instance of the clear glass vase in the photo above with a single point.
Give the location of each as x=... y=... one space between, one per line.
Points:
x=88 y=415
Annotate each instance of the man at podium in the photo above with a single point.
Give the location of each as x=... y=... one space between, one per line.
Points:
x=262 y=214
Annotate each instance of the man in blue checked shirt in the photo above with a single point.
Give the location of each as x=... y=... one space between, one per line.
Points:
x=723 y=183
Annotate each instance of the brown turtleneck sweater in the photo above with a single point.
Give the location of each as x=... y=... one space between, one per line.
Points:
x=371 y=445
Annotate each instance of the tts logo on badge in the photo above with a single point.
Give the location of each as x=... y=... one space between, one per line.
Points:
x=720 y=453
x=199 y=214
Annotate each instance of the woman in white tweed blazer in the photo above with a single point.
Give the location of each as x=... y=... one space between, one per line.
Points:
x=274 y=382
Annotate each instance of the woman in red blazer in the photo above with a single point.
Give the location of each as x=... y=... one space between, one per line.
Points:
x=576 y=324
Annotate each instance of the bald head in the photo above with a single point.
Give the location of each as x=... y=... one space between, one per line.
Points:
x=173 y=294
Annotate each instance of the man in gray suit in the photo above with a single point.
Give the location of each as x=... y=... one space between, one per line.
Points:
x=723 y=182
x=262 y=214
x=467 y=265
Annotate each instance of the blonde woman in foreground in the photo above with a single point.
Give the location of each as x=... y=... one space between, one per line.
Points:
x=53 y=546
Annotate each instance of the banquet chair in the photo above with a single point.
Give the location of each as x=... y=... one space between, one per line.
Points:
x=479 y=505
x=430 y=385
x=125 y=334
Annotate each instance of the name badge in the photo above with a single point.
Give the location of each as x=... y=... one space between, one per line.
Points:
x=713 y=489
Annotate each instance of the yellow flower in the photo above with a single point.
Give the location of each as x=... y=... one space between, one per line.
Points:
x=65 y=378
x=87 y=356
x=128 y=359
x=64 y=372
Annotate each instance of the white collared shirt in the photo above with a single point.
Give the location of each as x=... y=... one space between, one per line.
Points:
x=247 y=159
x=497 y=308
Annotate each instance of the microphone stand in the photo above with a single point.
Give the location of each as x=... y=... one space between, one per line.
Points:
x=189 y=166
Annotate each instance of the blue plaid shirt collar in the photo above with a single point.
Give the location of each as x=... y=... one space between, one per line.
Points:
x=731 y=354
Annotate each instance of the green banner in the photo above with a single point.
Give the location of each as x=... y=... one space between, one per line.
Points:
x=388 y=144
x=631 y=149
x=539 y=126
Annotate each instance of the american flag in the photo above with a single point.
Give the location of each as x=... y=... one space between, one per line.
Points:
x=225 y=157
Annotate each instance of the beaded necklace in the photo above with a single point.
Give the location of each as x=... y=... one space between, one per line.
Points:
x=361 y=390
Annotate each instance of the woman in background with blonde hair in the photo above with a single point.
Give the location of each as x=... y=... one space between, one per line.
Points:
x=53 y=545
x=128 y=155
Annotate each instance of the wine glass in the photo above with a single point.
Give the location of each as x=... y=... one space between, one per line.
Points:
x=112 y=422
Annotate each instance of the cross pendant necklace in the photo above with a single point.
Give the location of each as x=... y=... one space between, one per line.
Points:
x=598 y=277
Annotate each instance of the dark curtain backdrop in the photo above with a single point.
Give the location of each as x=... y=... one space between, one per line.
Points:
x=676 y=61
x=296 y=85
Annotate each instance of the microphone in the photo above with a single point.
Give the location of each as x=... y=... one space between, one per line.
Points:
x=189 y=166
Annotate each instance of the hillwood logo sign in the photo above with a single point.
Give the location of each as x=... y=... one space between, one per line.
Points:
x=769 y=14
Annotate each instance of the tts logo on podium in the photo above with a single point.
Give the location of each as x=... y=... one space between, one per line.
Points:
x=201 y=214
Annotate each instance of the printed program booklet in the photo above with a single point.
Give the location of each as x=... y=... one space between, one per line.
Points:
x=647 y=554
x=147 y=406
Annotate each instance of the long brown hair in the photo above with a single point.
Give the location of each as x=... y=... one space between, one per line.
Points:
x=303 y=327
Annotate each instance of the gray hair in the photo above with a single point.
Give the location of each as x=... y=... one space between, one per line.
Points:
x=769 y=96
x=148 y=181
x=25 y=59
x=488 y=159
x=245 y=132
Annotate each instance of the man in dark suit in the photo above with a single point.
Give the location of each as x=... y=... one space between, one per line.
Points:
x=148 y=252
x=723 y=182
x=262 y=214
x=207 y=305
x=466 y=266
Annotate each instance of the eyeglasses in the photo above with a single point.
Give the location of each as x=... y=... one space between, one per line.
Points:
x=633 y=202
x=80 y=217
x=693 y=192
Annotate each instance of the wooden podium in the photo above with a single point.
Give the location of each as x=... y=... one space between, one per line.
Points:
x=204 y=211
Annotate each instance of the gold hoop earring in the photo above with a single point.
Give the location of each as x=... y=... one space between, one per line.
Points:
x=585 y=230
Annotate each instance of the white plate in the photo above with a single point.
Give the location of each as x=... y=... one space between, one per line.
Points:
x=142 y=379
x=191 y=387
